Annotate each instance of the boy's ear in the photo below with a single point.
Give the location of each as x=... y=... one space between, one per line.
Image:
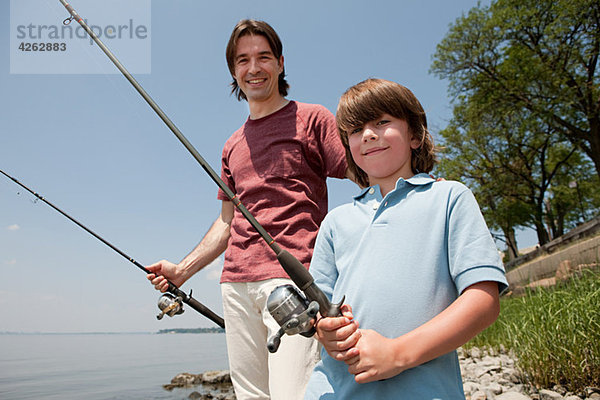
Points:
x=415 y=143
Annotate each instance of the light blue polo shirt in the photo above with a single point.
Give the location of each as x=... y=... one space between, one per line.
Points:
x=400 y=260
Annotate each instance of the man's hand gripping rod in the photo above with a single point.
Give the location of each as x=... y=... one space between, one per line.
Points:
x=294 y=268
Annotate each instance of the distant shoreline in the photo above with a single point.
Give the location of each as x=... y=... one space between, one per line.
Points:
x=160 y=332
x=192 y=330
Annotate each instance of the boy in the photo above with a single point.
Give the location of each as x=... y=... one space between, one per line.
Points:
x=413 y=256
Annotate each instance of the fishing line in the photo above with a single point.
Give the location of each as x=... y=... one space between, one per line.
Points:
x=85 y=46
x=168 y=305
x=294 y=268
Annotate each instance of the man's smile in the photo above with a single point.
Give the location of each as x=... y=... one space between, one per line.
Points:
x=256 y=81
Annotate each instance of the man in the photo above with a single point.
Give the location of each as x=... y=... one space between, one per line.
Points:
x=277 y=164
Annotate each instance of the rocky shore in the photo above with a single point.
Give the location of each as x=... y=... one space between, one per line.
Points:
x=208 y=385
x=486 y=376
x=493 y=376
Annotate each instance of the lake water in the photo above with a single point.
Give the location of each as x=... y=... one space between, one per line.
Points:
x=104 y=366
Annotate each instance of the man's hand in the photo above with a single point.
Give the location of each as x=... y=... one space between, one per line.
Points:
x=163 y=270
x=338 y=335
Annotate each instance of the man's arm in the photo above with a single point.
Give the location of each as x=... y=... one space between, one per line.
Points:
x=210 y=247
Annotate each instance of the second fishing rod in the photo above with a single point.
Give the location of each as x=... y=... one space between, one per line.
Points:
x=169 y=304
x=292 y=266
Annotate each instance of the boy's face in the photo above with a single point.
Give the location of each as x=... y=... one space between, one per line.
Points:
x=256 y=68
x=382 y=148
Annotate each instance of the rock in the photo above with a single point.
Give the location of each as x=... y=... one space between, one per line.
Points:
x=590 y=390
x=184 y=380
x=513 y=376
x=512 y=396
x=479 y=395
x=546 y=394
x=485 y=379
x=470 y=387
x=215 y=385
x=564 y=270
x=213 y=377
x=495 y=388
x=475 y=353
x=560 y=390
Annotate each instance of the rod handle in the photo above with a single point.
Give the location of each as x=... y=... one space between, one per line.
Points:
x=295 y=269
x=304 y=280
x=202 y=309
x=196 y=305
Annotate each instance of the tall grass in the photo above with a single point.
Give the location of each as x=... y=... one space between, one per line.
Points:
x=553 y=332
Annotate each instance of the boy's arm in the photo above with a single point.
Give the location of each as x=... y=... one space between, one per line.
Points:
x=381 y=358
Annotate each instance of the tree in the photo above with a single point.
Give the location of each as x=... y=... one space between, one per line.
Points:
x=537 y=55
x=574 y=196
x=469 y=156
x=510 y=159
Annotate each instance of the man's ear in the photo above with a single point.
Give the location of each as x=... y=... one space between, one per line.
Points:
x=281 y=64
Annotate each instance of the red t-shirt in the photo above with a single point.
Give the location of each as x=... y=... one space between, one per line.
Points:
x=277 y=166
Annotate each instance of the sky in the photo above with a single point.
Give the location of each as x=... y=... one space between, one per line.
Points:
x=75 y=131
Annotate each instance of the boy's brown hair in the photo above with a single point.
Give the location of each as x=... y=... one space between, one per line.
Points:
x=370 y=99
x=254 y=27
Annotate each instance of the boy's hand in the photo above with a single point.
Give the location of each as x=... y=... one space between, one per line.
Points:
x=338 y=335
x=376 y=359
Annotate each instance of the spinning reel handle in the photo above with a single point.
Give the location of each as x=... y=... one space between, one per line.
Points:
x=292 y=326
x=293 y=312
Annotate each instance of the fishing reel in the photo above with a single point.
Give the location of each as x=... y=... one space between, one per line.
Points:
x=169 y=305
x=293 y=313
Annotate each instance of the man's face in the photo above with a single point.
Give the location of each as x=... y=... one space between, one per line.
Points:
x=257 y=69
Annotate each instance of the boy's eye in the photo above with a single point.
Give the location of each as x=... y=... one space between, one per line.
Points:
x=383 y=122
x=355 y=130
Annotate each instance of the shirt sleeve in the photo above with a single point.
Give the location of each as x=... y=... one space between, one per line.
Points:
x=324 y=137
x=225 y=174
x=472 y=253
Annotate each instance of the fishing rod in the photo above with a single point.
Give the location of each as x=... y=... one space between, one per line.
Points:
x=169 y=304
x=294 y=268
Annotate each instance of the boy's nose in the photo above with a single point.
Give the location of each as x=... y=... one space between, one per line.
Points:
x=369 y=134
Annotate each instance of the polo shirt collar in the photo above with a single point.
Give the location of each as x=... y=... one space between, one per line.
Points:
x=416 y=180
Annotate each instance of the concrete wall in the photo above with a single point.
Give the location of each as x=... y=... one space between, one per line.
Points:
x=586 y=251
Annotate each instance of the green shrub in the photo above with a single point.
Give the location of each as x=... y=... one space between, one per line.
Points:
x=554 y=333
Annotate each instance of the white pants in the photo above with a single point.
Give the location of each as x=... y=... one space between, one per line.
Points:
x=256 y=373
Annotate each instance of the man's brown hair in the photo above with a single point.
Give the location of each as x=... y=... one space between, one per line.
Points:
x=254 y=27
x=370 y=99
